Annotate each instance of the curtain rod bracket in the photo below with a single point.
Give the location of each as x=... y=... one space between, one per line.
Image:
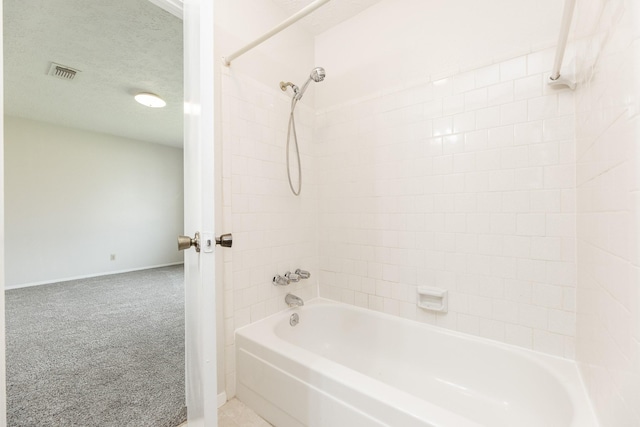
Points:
x=562 y=81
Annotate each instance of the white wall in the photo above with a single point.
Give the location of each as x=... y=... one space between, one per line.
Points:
x=447 y=162
x=74 y=197
x=396 y=42
x=273 y=230
x=608 y=218
x=442 y=158
x=465 y=184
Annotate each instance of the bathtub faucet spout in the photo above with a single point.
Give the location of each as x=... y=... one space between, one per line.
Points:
x=293 y=301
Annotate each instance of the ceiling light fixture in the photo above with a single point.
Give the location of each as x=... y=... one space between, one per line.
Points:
x=150 y=100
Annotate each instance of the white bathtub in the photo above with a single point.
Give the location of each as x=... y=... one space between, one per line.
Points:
x=343 y=366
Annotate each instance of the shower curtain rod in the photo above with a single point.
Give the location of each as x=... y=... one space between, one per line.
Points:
x=275 y=30
x=567 y=16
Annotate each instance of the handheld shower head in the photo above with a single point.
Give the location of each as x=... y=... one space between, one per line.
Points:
x=317 y=75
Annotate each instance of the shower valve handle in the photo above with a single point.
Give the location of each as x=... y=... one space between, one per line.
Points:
x=278 y=280
x=303 y=274
x=294 y=277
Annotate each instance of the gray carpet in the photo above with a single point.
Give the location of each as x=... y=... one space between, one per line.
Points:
x=106 y=351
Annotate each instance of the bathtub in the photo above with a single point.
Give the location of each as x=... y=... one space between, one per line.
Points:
x=343 y=366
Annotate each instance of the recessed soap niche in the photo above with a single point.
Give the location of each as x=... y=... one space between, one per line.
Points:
x=433 y=299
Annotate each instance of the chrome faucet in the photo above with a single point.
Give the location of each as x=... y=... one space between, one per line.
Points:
x=293 y=301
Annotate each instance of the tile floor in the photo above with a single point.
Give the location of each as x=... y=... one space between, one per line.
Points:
x=235 y=414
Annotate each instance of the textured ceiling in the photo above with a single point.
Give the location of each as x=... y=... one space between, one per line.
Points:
x=122 y=47
x=328 y=15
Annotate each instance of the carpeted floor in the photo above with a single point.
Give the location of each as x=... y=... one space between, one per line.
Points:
x=106 y=351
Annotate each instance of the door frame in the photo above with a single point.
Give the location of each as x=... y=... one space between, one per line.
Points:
x=3 y=365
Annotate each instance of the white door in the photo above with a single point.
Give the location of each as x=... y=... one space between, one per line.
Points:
x=200 y=303
x=199 y=213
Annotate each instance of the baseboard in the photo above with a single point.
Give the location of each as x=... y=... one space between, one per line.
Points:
x=88 y=276
x=222 y=399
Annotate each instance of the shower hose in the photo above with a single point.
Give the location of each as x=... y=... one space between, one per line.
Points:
x=292 y=127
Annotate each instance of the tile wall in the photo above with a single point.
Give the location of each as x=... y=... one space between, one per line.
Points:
x=273 y=231
x=464 y=182
x=608 y=208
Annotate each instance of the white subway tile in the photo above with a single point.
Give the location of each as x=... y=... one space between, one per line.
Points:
x=502 y=180
x=476 y=182
x=501 y=136
x=453 y=143
x=476 y=140
x=503 y=223
x=528 y=87
x=562 y=322
x=558 y=128
x=453 y=105
x=478 y=223
x=487 y=117
x=513 y=113
x=544 y=107
x=562 y=225
x=443 y=88
x=499 y=94
x=548 y=342
x=464 y=162
x=468 y=324
x=443 y=126
x=533 y=316
x=492 y=329
x=548 y=296
x=544 y=154
x=519 y=335
x=463 y=82
x=513 y=69
x=476 y=99
x=518 y=291
x=540 y=62
x=517 y=246
x=487 y=76
x=546 y=248
x=529 y=178
x=464 y=122
x=531 y=224
x=514 y=157
x=561 y=273
x=532 y=270
x=488 y=160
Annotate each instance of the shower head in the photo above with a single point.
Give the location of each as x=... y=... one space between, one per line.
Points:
x=317 y=75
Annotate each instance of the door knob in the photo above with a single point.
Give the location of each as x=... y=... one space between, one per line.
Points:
x=185 y=242
x=225 y=240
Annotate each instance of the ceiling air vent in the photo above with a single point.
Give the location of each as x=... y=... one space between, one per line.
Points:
x=62 y=71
